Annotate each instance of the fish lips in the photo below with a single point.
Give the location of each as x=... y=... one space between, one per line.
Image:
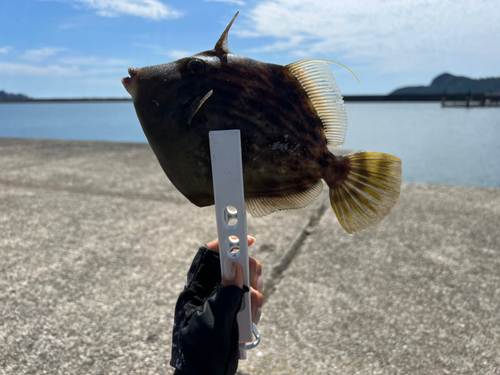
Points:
x=130 y=83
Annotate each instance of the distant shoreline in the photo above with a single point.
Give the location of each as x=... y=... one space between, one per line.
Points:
x=347 y=98
x=65 y=100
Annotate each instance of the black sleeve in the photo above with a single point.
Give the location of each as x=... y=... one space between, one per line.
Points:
x=205 y=334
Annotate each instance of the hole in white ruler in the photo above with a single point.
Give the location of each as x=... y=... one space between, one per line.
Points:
x=234 y=246
x=231 y=216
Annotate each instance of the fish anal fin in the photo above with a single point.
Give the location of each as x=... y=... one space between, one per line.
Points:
x=196 y=105
x=222 y=45
x=262 y=206
x=317 y=79
x=369 y=192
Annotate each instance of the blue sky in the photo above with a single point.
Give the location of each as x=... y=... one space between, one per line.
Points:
x=82 y=48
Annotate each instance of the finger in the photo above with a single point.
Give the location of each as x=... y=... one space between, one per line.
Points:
x=214 y=244
x=257 y=298
x=256 y=275
x=257 y=302
x=233 y=274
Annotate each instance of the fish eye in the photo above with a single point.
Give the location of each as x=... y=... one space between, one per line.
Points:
x=196 y=67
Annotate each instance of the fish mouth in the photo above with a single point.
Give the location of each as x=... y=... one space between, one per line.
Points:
x=130 y=83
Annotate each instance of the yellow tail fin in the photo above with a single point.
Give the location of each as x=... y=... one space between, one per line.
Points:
x=369 y=192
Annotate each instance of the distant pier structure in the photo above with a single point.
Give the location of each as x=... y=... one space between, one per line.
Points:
x=466 y=98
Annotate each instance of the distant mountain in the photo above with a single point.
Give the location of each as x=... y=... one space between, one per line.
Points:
x=449 y=83
x=7 y=96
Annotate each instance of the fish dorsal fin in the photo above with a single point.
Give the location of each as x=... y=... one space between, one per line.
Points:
x=196 y=105
x=317 y=79
x=262 y=206
x=222 y=45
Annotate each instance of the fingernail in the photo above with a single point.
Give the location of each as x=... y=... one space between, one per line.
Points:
x=229 y=270
x=260 y=284
x=252 y=237
x=257 y=315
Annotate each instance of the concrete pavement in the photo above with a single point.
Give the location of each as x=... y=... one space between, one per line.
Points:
x=95 y=243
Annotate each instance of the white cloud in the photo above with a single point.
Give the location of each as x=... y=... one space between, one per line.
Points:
x=174 y=54
x=236 y=2
x=5 y=50
x=395 y=35
x=178 y=54
x=92 y=61
x=62 y=62
x=69 y=26
x=284 y=45
x=152 y=9
x=14 y=69
x=38 y=55
x=104 y=82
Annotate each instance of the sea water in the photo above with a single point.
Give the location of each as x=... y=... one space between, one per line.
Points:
x=451 y=146
x=97 y=121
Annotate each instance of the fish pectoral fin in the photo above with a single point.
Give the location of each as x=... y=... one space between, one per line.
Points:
x=262 y=206
x=369 y=192
x=196 y=105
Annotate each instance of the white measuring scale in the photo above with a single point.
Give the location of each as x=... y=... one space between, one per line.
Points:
x=231 y=216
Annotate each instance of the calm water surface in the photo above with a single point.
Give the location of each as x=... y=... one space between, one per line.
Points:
x=451 y=146
x=457 y=146
x=101 y=121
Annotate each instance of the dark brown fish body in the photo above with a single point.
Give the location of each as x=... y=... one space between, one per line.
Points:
x=283 y=141
x=284 y=144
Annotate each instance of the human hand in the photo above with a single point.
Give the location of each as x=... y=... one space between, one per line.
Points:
x=205 y=336
x=234 y=276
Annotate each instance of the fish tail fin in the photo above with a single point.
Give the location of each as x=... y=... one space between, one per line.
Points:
x=369 y=192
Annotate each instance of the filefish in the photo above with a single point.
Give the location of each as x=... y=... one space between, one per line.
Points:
x=289 y=118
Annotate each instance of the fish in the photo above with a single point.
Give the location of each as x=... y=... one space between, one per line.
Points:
x=289 y=117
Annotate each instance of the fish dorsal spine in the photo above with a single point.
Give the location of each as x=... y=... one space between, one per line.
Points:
x=222 y=45
x=317 y=79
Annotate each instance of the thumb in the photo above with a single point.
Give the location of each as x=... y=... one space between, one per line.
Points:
x=233 y=274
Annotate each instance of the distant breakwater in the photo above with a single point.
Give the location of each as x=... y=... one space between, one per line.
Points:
x=422 y=97
x=65 y=100
x=347 y=98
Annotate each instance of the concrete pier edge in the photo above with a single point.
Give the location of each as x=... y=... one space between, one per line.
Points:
x=95 y=244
